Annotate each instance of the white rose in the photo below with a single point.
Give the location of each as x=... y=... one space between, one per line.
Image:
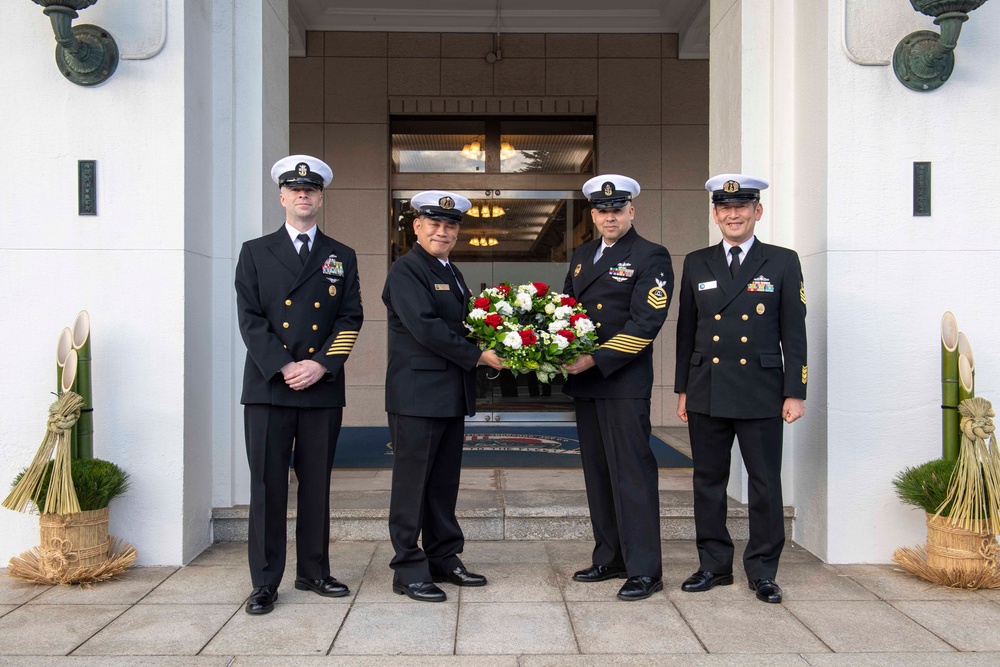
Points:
x=491 y=291
x=550 y=308
x=529 y=288
x=512 y=340
x=583 y=326
x=563 y=313
x=558 y=325
x=523 y=301
x=561 y=342
x=504 y=308
x=477 y=314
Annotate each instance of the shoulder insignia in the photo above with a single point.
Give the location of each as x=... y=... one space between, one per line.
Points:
x=657 y=297
x=576 y=271
x=802 y=292
x=805 y=374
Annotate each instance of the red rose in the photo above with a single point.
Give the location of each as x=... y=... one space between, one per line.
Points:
x=503 y=289
x=573 y=319
x=542 y=288
x=568 y=301
x=528 y=337
x=481 y=302
x=493 y=320
x=567 y=334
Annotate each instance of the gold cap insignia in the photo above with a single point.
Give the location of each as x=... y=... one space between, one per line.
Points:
x=446 y=202
x=333 y=290
x=760 y=309
x=609 y=189
x=730 y=186
x=576 y=271
x=302 y=168
x=805 y=374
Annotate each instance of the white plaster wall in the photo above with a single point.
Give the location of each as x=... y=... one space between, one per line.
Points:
x=126 y=266
x=892 y=275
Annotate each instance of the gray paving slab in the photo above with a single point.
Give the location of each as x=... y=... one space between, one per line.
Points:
x=525 y=582
x=904 y=660
x=233 y=554
x=120 y=661
x=816 y=581
x=661 y=660
x=377 y=584
x=571 y=552
x=291 y=629
x=477 y=554
x=631 y=627
x=379 y=661
x=526 y=479
x=680 y=552
x=407 y=628
x=126 y=588
x=18 y=591
x=203 y=585
x=890 y=583
x=968 y=626
x=865 y=626
x=160 y=630
x=738 y=627
x=53 y=629
x=7 y=608
x=506 y=628
x=480 y=479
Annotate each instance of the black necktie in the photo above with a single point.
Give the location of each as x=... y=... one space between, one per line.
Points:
x=734 y=265
x=455 y=276
x=304 y=248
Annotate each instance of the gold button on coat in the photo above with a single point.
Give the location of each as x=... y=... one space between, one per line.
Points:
x=316 y=305
x=598 y=325
x=311 y=350
x=288 y=302
x=746 y=317
x=743 y=362
x=718 y=317
x=315 y=327
x=743 y=340
x=715 y=360
x=599 y=306
x=284 y=324
x=715 y=338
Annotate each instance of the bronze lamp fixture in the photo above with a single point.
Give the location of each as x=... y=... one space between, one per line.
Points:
x=924 y=60
x=85 y=54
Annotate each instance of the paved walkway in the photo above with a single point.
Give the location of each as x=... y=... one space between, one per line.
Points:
x=530 y=615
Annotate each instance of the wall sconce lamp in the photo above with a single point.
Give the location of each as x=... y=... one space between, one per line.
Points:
x=483 y=242
x=486 y=211
x=924 y=60
x=85 y=54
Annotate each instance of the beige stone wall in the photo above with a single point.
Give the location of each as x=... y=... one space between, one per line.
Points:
x=652 y=113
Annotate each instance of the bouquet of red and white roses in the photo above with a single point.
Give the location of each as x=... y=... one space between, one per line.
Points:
x=531 y=328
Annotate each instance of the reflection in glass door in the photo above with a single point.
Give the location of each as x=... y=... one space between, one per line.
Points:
x=514 y=237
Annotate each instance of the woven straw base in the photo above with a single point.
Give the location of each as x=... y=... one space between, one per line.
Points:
x=30 y=566
x=914 y=561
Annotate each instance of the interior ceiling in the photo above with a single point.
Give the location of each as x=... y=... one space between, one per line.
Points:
x=687 y=18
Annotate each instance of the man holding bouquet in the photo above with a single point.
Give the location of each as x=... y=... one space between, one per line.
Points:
x=625 y=283
x=429 y=389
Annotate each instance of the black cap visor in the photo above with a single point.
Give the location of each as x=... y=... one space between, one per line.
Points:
x=743 y=195
x=440 y=214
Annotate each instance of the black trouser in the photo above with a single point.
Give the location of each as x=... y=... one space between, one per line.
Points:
x=711 y=449
x=620 y=472
x=270 y=432
x=426 y=467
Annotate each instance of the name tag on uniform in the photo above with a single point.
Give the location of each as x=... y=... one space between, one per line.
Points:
x=442 y=287
x=711 y=284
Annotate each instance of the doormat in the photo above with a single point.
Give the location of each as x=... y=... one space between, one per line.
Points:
x=491 y=447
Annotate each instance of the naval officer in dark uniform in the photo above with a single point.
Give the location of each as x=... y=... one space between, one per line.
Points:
x=741 y=371
x=625 y=283
x=429 y=390
x=299 y=307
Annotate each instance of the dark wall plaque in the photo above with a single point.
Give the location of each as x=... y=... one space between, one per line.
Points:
x=87 y=187
x=921 y=188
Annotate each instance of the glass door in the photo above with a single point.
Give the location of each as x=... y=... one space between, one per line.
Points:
x=511 y=236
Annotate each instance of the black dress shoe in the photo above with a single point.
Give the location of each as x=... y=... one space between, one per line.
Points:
x=767 y=590
x=703 y=581
x=329 y=587
x=422 y=591
x=639 y=588
x=460 y=577
x=600 y=573
x=261 y=600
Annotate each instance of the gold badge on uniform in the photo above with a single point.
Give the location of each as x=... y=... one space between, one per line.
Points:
x=446 y=202
x=760 y=309
x=442 y=287
x=805 y=374
x=333 y=290
x=576 y=271
x=609 y=189
x=802 y=292
x=657 y=297
x=730 y=186
x=302 y=168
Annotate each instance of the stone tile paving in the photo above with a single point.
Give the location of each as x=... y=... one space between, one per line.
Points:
x=531 y=615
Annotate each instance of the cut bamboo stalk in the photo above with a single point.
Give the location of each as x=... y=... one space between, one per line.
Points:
x=965 y=348
x=84 y=431
x=965 y=381
x=949 y=387
x=63 y=348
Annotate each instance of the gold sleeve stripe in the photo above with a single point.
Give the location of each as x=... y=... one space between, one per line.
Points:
x=343 y=344
x=627 y=344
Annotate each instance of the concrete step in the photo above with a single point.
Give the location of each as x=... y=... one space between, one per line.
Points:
x=490 y=514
